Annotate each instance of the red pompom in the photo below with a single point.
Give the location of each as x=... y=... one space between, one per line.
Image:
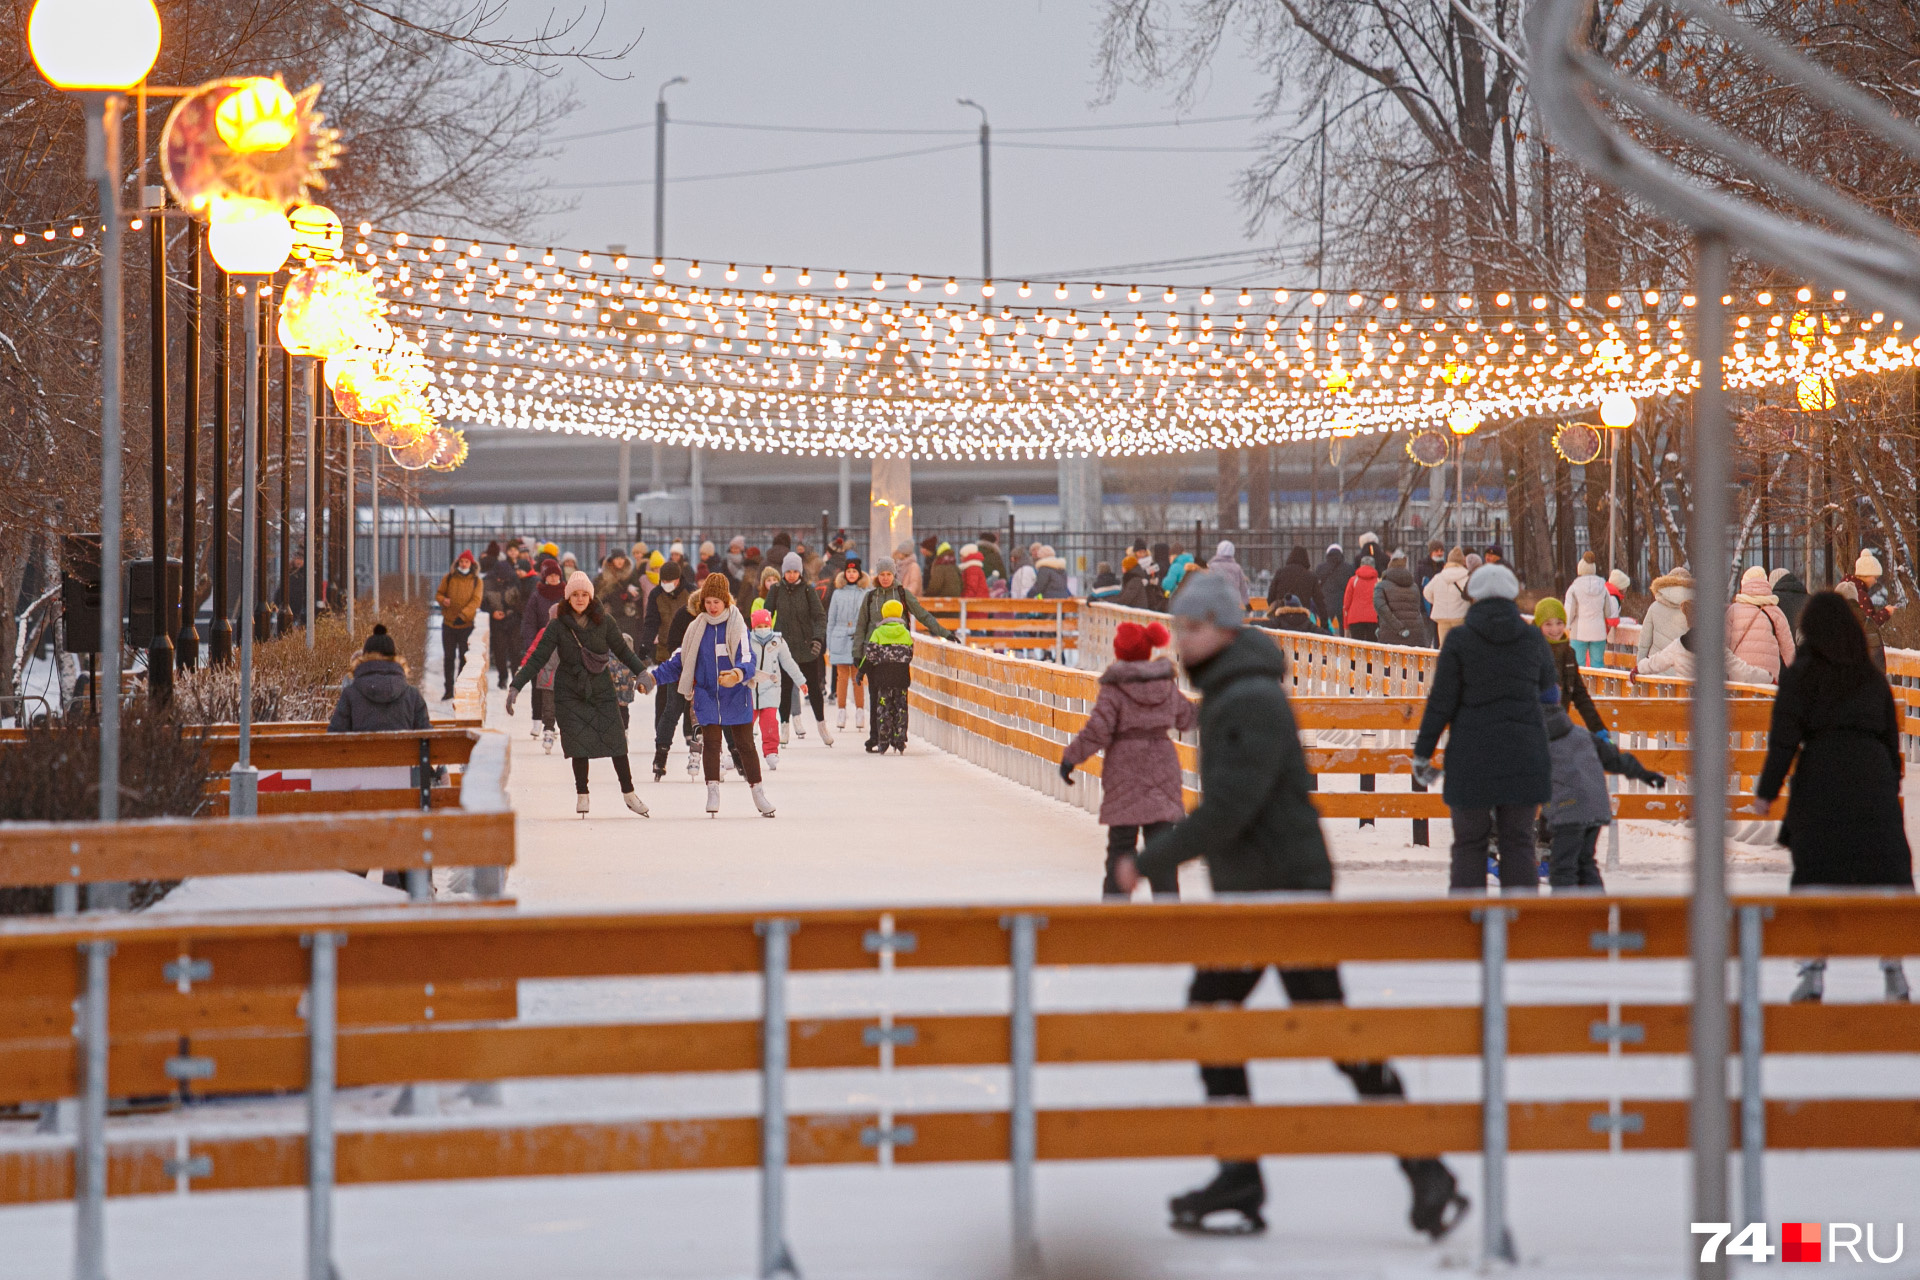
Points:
x=1135 y=643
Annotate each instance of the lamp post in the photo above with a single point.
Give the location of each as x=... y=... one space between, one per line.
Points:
x=1617 y=414
x=986 y=189
x=251 y=247
x=660 y=252
x=160 y=654
x=187 y=643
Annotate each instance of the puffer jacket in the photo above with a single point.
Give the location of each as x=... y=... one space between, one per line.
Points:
x=1486 y=688
x=1446 y=593
x=1397 y=602
x=1358 y=604
x=843 y=614
x=1586 y=601
x=1581 y=763
x=1140 y=774
x=1758 y=630
x=459 y=598
x=376 y=698
x=1050 y=580
x=1664 y=622
x=1677 y=660
x=1224 y=564
x=771 y=656
x=943 y=577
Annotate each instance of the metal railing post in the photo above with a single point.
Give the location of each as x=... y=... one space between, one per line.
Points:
x=90 y=1147
x=322 y=1016
x=1753 y=1102
x=1497 y=1240
x=1022 y=1126
x=775 y=1258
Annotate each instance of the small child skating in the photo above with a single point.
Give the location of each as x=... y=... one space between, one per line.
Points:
x=1580 y=805
x=771 y=656
x=887 y=662
x=1140 y=794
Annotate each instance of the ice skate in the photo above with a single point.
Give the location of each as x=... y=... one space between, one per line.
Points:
x=800 y=726
x=826 y=734
x=785 y=733
x=693 y=767
x=1438 y=1205
x=760 y=801
x=840 y=721
x=546 y=741
x=580 y=805
x=1812 y=987
x=860 y=718
x=635 y=803
x=872 y=747
x=1237 y=1188
x=1895 y=973
x=901 y=747
x=659 y=763
x=713 y=799
x=773 y=762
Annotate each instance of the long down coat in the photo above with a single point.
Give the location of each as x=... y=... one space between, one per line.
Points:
x=1486 y=687
x=1843 y=815
x=585 y=705
x=1140 y=775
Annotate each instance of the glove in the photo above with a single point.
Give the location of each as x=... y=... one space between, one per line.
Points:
x=1066 y=773
x=815 y=649
x=513 y=695
x=1423 y=771
x=1658 y=781
x=1603 y=736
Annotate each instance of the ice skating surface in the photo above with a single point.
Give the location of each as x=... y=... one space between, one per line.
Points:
x=927 y=827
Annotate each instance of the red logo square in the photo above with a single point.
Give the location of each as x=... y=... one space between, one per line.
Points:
x=1799 y=1242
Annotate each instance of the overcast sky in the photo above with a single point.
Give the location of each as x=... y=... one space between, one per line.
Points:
x=900 y=64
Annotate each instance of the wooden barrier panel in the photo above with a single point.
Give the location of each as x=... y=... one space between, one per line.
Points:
x=1015 y=625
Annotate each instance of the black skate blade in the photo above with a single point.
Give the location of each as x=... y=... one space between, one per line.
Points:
x=1450 y=1215
x=1250 y=1223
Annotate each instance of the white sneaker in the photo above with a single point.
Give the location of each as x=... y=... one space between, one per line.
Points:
x=546 y=741
x=860 y=718
x=840 y=721
x=785 y=735
x=634 y=803
x=713 y=799
x=580 y=805
x=760 y=801
x=773 y=761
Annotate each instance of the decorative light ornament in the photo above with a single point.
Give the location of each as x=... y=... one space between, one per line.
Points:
x=1814 y=392
x=1578 y=443
x=416 y=455
x=1463 y=422
x=317 y=233
x=450 y=449
x=325 y=309
x=1429 y=448
x=94 y=44
x=1617 y=410
x=249 y=237
x=258 y=116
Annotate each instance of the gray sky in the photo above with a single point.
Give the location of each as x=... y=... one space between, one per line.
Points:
x=900 y=64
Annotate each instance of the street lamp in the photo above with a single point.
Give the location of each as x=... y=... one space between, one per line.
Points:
x=248 y=238
x=986 y=188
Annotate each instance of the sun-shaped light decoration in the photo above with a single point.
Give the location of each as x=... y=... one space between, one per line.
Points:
x=235 y=139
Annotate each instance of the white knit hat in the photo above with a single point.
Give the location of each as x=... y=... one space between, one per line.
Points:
x=1493 y=581
x=1867 y=566
x=1619 y=579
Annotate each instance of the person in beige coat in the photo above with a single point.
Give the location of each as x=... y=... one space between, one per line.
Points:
x=1757 y=628
x=1677 y=660
x=1666 y=620
x=906 y=567
x=1446 y=593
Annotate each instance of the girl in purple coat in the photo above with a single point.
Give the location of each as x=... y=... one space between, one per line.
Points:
x=1140 y=792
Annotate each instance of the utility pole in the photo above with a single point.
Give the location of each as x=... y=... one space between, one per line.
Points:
x=986 y=189
x=659 y=252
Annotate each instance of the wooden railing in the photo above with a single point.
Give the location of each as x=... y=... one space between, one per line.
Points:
x=432 y=756
x=1020 y=626
x=314 y=1001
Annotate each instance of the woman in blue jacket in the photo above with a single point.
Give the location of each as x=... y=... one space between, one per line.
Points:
x=714 y=668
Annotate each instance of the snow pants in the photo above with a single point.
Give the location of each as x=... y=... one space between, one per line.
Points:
x=1590 y=653
x=768 y=718
x=889 y=722
x=1571 y=864
x=1474 y=831
x=1125 y=842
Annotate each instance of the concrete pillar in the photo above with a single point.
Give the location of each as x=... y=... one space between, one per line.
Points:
x=697 y=494
x=1081 y=492
x=890 y=510
x=846 y=492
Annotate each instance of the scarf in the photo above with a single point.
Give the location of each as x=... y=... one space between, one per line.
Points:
x=696 y=632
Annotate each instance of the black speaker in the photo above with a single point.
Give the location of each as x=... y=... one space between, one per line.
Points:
x=80 y=592
x=140 y=601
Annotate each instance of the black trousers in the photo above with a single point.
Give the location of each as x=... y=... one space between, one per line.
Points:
x=543 y=706
x=453 y=652
x=500 y=649
x=669 y=712
x=1303 y=986
x=1123 y=842
x=621 y=770
x=815 y=670
x=1571 y=864
x=1476 y=830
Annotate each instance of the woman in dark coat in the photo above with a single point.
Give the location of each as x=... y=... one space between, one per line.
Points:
x=1294 y=578
x=1844 y=825
x=378 y=698
x=585 y=642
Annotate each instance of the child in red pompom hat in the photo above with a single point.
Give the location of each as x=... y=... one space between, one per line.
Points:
x=1140 y=793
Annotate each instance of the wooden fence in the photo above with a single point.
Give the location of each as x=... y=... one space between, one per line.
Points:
x=1018 y=626
x=319 y=1001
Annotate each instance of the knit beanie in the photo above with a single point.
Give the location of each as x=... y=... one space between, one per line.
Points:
x=1867 y=566
x=579 y=581
x=761 y=619
x=1773 y=579
x=1135 y=643
x=1587 y=566
x=380 y=642
x=1208 y=597
x=1494 y=581
x=1621 y=581
x=1754 y=582
x=1549 y=610
x=891 y=609
x=1457 y=556
x=791 y=563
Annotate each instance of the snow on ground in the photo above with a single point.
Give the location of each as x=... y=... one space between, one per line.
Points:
x=928 y=827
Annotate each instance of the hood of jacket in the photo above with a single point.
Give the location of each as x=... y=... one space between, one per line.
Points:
x=892 y=631
x=1455 y=574
x=1589 y=587
x=1496 y=620
x=1672 y=589
x=1367 y=573
x=1122 y=672
x=381 y=680
x=1253 y=654
x=1399 y=576
x=1046 y=562
x=1559 y=725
